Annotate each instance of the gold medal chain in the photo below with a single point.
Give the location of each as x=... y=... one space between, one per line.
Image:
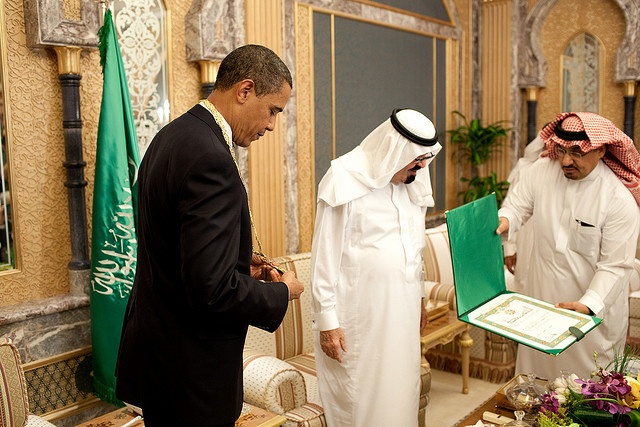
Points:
x=221 y=122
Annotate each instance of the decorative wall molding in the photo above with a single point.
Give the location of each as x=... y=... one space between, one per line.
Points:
x=213 y=28
x=627 y=59
x=47 y=25
x=533 y=64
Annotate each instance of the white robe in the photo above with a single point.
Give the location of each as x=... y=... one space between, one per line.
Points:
x=520 y=243
x=573 y=262
x=366 y=278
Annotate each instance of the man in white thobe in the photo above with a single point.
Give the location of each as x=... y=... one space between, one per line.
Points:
x=366 y=275
x=582 y=200
x=517 y=250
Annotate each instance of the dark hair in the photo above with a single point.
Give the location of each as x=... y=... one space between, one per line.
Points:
x=254 y=62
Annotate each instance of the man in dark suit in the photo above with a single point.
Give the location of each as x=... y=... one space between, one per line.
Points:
x=197 y=286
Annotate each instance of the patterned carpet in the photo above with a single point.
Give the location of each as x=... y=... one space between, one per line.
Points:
x=447 y=404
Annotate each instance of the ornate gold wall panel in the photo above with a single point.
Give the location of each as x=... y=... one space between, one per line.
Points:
x=36 y=143
x=266 y=172
x=453 y=94
x=495 y=66
x=605 y=20
x=184 y=77
x=460 y=70
x=305 y=130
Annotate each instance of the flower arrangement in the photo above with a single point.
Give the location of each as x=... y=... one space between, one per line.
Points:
x=610 y=398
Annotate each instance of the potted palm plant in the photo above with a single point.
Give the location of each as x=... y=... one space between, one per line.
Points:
x=478 y=143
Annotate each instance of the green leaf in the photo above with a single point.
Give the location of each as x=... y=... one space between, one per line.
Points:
x=475 y=141
x=483 y=186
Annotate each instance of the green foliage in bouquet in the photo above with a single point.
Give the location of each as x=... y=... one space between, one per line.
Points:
x=610 y=398
x=552 y=419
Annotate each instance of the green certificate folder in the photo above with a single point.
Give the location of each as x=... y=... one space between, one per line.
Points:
x=482 y=297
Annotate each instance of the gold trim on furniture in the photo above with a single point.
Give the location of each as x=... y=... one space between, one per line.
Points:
x=57 y=358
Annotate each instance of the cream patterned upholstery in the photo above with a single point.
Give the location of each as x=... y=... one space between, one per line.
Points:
x=36 y=421
x=271 y=359
x=14 y=405
x=271 y=383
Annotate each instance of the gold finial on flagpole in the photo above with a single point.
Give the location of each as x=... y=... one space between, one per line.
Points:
x=106 y=4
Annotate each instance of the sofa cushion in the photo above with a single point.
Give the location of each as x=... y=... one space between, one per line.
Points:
x=35 y=421
x=440 y=292
x=13 y=387
x=437 y=256
x=306 y=364
x=294 y=335
x=271 y=383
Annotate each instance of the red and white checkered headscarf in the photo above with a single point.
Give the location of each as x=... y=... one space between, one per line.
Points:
x=621 y=156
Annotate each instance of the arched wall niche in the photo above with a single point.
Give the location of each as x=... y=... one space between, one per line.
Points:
x=533 y=65
x=581 y=73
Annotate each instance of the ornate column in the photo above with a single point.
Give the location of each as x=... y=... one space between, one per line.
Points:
x=48 y=24
x=629 y=107
x=69 y=75
x=532 y=105
x=208 y=73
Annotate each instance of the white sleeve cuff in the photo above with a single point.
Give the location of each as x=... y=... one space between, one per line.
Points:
x=325 y=321
x=509 y=248
x=593 y=301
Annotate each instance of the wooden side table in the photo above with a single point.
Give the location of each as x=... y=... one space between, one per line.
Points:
x=116 y=418
x=488 y=406
x=256 y=417
x=443 y=330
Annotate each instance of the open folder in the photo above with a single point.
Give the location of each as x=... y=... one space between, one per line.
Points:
x=482 y=297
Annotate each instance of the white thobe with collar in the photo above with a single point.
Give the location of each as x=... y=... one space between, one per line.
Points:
x=585 y=241
x=366 y=275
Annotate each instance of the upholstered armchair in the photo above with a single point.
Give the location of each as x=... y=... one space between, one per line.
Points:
x=14 y=407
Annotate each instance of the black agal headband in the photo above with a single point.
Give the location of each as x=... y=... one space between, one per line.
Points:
x=568 y=135
x=414 y=126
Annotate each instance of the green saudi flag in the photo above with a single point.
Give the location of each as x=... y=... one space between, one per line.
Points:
x=113 y=241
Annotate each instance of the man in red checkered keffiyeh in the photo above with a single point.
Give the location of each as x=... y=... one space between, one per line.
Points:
x=580 y=200
x=589 y=131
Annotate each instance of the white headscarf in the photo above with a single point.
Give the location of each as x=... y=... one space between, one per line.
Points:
x=372 y=164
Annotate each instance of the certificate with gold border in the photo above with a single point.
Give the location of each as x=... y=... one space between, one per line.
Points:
x=481 y=295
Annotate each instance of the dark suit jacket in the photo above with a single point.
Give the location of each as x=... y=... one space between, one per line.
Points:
x=193 y=298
